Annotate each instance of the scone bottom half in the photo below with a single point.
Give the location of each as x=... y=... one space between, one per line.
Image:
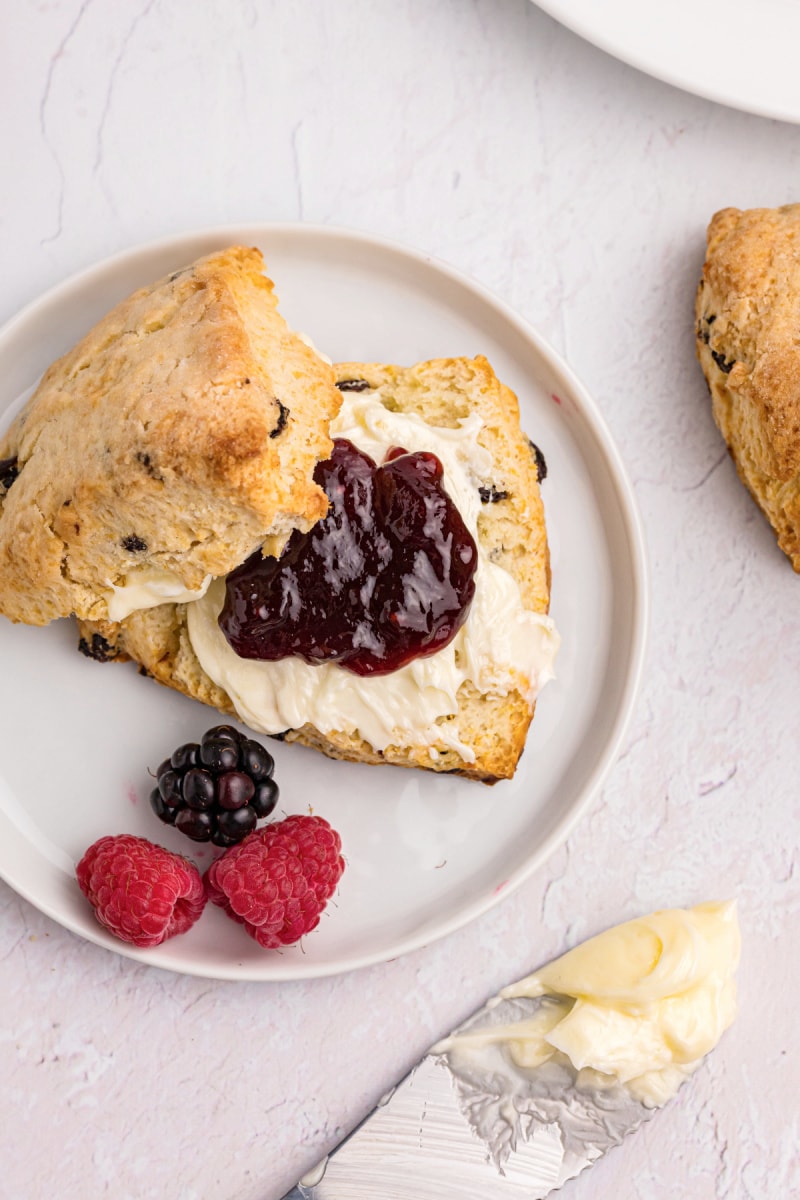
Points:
x=747 y=314
x=179 y=435
x=512 y=533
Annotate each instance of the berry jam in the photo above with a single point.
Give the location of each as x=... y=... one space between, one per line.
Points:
x=386 y=577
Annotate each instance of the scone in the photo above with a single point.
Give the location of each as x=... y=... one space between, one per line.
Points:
x=748 y=343
x=464 y=709
x=180 y=434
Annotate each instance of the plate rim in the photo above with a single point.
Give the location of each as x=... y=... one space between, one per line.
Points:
x=633 y=56
x=630 y=520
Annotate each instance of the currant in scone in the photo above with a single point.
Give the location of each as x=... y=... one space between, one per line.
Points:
x=218 y=789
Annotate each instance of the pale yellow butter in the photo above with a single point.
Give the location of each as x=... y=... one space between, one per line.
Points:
x=640 y=1004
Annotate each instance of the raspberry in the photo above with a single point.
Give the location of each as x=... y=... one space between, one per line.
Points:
x=142 y=893
x=279 y=879
x=217 y=790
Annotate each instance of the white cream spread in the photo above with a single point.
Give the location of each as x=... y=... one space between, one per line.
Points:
x=500 y=647
x=147 y=587
x=640 y=1004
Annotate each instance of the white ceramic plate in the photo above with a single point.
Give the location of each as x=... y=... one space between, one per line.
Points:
x=738 y=52
x=425 y=854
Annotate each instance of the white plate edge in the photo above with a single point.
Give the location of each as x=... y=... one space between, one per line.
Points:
x=642 y=62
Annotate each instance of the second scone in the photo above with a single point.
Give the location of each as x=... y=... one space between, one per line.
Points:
x=747 y=321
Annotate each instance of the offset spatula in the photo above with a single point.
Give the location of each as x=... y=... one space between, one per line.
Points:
x=476 y=1132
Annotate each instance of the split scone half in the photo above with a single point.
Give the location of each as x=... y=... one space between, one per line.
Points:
x=177 y=437
x=748 y=344
x=464 y=709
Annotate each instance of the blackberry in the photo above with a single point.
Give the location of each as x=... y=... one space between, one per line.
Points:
x=216 y=790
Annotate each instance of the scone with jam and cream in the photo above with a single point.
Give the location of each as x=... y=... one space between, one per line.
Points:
x=410 y=625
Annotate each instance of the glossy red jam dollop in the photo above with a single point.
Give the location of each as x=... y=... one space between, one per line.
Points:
x=386 y=577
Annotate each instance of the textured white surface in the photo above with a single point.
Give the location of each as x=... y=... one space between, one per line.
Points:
x=578 y=190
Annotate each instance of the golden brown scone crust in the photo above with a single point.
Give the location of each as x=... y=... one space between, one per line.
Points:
x=180 y=433
x=748 y=343
x=511 y=530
